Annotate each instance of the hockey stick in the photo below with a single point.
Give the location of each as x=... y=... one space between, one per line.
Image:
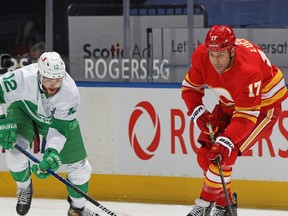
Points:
x=224 y=186
x=218 y=160
x=67 y=183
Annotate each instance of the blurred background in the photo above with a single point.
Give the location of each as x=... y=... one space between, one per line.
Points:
x=29 y=27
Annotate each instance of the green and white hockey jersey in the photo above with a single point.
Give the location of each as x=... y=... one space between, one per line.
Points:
x=54 y=116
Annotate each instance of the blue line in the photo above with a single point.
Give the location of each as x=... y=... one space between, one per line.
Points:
x=130 y=84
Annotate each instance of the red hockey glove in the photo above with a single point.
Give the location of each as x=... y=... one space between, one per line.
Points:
x=221 y=150
x=201 y=117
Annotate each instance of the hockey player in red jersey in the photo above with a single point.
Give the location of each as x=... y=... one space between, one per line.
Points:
x=250 y=91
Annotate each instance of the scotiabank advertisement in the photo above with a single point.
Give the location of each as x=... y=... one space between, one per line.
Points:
x=145 y=131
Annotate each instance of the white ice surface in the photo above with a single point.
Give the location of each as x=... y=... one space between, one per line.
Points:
x=53 y=207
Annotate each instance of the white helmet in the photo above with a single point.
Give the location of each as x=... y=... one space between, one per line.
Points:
x=51 y=65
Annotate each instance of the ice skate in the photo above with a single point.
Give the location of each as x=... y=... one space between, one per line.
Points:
x=223 y=211
x=220 y=211
x=24 y=199
x=201 y=208
x=80 y=211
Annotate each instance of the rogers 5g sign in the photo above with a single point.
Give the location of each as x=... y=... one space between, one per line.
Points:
x=108 y=63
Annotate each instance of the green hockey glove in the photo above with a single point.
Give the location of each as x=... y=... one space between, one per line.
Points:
x=8 y=132
x=41 y=174
x=51 y=160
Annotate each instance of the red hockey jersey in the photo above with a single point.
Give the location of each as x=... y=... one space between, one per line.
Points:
x=250 y=85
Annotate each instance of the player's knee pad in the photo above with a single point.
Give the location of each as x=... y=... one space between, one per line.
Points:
x=79 y=172
x=15 y=160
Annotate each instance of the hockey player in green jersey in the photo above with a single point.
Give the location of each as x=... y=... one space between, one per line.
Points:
x=42 y=97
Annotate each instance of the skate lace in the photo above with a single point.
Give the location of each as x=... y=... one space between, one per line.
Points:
x=88 y=212
x=219 y=212
x=197 y=211
x=24 y=195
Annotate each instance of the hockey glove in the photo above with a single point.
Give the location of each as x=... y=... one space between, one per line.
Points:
x=8 y=132
x=201 y=117
x=221 y=150
x=51 y=160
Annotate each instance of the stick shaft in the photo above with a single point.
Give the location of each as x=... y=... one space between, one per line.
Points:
x=211 y=133
x=224 y=188
x=218 y=159
x=67 y=183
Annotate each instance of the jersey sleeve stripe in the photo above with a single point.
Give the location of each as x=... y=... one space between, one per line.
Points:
x=187 y=86
x=190 y=83
x=277 y=80
x=250 y=108
x=279 y=95
x=280 y=85
x=257 y=130
x=246 y=116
